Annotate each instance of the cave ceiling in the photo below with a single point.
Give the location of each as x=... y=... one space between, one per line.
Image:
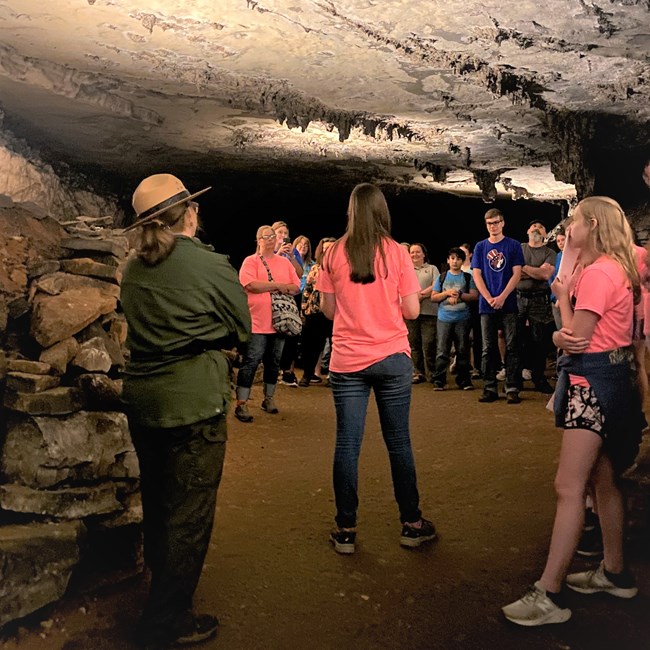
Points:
x=462 y=96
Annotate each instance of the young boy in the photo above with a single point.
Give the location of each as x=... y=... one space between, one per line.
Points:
x=453 y=289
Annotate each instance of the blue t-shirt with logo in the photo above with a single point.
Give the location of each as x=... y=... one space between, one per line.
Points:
x=495 y=262
x=460 y=311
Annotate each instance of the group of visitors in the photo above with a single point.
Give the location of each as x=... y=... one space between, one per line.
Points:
x=495 y=302
x=184 y=305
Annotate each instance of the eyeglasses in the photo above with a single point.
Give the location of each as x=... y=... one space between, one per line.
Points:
x=267 y=237
x=493 y=223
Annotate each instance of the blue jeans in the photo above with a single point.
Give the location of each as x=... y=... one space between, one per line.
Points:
x=422 y=339
x=266 y=347
x=490 y=326
x=391 y=380
x=458 y=334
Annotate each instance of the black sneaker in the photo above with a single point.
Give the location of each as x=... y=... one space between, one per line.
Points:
x=488 y=396
x=289 y=379
x=591 y=542
x=315 y=379
x=304 y=382
x=438 y=385
x=413 y=537
x=203 y=627
x=513 y=397
x=343 y=541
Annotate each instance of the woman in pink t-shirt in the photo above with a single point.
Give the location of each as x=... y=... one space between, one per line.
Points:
x=368 y=286
x=597 y=402
x=265 y=343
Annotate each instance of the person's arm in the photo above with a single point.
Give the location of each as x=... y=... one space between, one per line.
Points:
x=410 y=306
x=543 y=272
x=470 y=296
x=498 y=302
x=480 y=284
x=328 y=304
x=568 y=338
x=264 y=286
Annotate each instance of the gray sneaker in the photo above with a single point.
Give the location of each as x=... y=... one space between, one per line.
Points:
x=591 y=582
x=242 y=413
x=535 y=608
x=269 y=405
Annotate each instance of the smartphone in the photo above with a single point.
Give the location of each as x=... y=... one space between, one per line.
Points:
x=286 y=240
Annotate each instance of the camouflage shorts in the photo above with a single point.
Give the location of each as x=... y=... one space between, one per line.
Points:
x=583 y=410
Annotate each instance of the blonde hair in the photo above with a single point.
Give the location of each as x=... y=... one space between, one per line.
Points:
x=258 y=234
x=612 y=235
x=157 y=240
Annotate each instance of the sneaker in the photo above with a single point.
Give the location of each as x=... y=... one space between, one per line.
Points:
x=591 y=542
x=488 y=396
x=544 y=387
x=501 y=375
x=526 y=374
x=268 y=404
x=289 y=379
x=418 y=378
x=535 y=607
x=315 y=379
x=203 y=627
x=437 y=385
x=242 y=413
x=621 y=585
x=512 y=397
x=343 y=541
x=467 y=387
x=476 y=374
x=304 y=382
x=413 y=537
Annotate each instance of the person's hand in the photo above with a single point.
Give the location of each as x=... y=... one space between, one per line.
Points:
x=286 y=250
x=559 y=289
x=451 y=293
x=497 y=302
x=565 y=340
x=453 y=300
x=281 y=287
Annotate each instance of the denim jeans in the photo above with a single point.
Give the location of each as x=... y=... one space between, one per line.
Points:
x=458 y=334
x=422 y=339
x=391 y=380
x=261 y=347
x=534 y=309
x=490 y=326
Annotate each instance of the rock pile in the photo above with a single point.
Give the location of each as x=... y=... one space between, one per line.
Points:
x=68 y=470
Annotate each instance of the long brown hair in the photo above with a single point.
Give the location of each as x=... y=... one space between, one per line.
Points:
x=157 y=239
x=318 y=256
x=368 y=227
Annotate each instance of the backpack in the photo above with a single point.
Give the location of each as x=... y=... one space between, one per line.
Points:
x=468 y=278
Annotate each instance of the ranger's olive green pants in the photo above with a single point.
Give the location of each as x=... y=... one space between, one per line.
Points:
x=180 y=471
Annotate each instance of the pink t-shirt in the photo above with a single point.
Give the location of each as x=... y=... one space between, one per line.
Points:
x=260 y=303
x=368 y=322
x=604 y=288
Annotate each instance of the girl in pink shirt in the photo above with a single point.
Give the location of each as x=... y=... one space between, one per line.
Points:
x=368 y=286
x=598 y=404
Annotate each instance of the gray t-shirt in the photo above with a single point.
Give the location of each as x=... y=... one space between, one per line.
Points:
x=535 y=257
x=427 y=275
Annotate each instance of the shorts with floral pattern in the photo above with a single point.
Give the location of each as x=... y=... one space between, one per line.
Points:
x=583 y=410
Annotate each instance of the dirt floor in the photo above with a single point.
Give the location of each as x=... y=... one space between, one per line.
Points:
x=485 y=474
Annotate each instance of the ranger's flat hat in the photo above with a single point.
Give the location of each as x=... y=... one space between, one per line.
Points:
x=156 y=194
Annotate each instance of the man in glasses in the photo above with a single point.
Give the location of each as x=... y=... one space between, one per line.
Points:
x=496 y=268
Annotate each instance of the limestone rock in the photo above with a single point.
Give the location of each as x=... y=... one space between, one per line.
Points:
x=3 y=365
x=43 y=267
x=64 y=503
x=32 y=367
x=57 y=317
x=4 y=314
x=110 y=341
x=55 y=401
x=116 y=245
x=29 y=383
x=93 y=356
x=91 y=268
x=56 y=283
x=18 y=307
x=60 y=354
x=36 y=561
x=42 y=452
x=100 y=392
